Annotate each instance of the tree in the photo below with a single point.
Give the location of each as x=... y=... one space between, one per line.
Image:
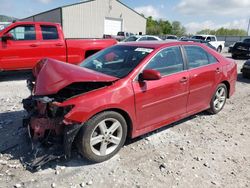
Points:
x=224 y=32
x=178 y=29
x=163 y=27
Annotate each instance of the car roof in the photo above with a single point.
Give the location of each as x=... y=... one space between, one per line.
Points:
x=31 y=22
x=193 y=40
x=205 y=35
x=144 y=36
x=157 y=44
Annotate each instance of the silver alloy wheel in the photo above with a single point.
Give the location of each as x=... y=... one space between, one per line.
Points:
x=106 y=137
x=220 y=98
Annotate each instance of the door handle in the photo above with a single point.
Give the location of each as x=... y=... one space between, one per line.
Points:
x=183 y=80
x=33 y=45
x=59 y=44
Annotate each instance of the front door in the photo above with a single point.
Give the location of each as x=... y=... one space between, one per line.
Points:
x=22 y=51
x=163 y=100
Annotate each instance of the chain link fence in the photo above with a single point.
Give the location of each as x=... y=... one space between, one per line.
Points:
x=230 y=40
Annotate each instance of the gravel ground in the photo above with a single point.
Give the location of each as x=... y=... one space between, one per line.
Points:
x=199 y=151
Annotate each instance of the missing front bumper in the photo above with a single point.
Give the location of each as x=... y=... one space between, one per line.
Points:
x=44 y=151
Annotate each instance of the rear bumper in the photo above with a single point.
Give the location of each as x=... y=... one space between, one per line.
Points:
x=232 y=88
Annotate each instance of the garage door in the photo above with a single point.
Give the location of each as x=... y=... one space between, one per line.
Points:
x=112 y=26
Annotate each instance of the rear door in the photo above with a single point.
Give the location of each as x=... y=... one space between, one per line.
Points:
x=204 y=73
x=162 y=100
x=52 y=43
x=22 y=52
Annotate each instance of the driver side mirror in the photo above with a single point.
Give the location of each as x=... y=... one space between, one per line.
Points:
x=7 y=36
x=150 y=74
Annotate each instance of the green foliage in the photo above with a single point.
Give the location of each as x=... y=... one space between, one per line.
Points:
x=163 y=27
x=224 y=32
x=6 y=18
x=178 y=29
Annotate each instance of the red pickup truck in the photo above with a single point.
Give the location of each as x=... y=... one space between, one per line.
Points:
x=23 y=44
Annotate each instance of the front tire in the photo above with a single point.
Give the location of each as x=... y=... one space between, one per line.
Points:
x=102 y=136
x=219 y=99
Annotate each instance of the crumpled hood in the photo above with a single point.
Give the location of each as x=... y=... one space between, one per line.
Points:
x=52 y=76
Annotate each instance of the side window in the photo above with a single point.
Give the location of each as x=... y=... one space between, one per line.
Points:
x=211 y=59
x=24 y=32
x=212 y=38
x=198 y=57
x=167 y=61
x=143 y=39
x=151 y=38
x=208 y=39
x=49 y=32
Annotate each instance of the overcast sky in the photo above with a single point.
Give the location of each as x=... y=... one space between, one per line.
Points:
x=195 y=15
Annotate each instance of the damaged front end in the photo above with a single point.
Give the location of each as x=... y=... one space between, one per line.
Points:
x=51 y=136
x=52 y=84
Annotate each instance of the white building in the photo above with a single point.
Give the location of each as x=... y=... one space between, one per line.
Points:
x=93 y=18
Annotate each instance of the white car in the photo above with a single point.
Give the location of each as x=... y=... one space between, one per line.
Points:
x=219 y=45
x=141 y=38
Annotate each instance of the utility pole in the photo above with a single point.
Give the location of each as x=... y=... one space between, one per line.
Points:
x=248 y=27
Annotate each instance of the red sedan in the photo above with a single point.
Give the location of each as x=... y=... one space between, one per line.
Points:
x=125 y=91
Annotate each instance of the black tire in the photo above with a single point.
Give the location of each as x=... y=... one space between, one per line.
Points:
x=213 y=108
x=219 y=49
x=93 y=126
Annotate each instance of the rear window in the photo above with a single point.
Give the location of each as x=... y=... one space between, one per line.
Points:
x=49 y=32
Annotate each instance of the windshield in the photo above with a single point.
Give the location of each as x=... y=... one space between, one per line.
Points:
x=117 y=61
x=130 y=39
x=198 y=37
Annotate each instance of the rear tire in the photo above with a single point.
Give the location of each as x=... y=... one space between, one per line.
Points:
x=102 y=136
x=219 y=99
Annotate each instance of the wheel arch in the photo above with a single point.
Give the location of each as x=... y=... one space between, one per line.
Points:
x=228 y=87
x=125 y=114
x=219 y=48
